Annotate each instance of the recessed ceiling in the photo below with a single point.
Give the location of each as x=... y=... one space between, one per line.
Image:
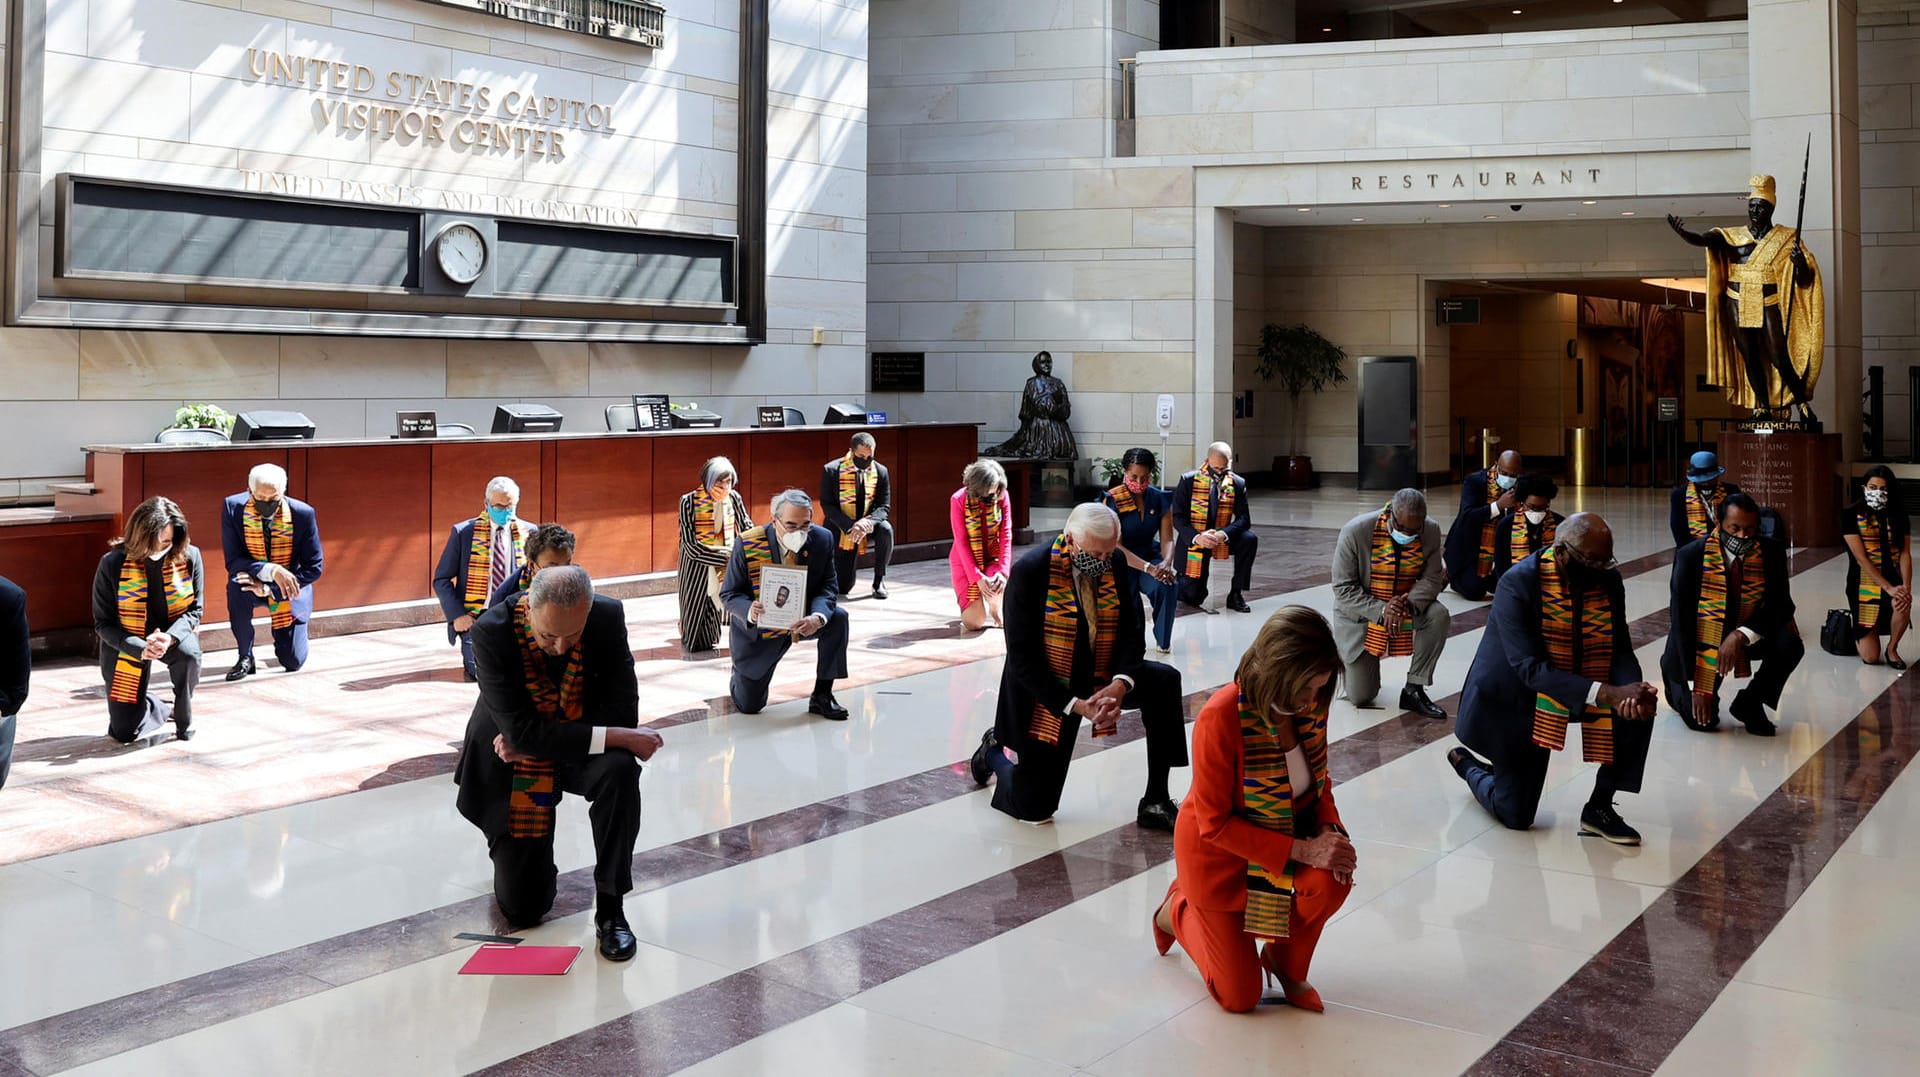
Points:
x=1340 y=20
x=1713 y=209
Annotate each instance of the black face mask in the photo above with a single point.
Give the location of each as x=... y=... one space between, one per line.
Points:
x=266 y=506
x=863 y=462
x=1735 y=547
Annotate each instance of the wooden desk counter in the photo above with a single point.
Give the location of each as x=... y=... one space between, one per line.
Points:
x=385 y=505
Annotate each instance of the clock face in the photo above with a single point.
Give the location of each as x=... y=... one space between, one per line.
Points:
x=461 y=252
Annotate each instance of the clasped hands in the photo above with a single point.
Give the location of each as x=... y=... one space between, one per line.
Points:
x=1208 y=540
x=1399 y=608
x=1631 y=702
x=1330 y=851
x=274 y=575
x=641 y=742
x=993 y=585
x=1103 y=707
x=862 y=528
x=1901 y=596
x=155 y=646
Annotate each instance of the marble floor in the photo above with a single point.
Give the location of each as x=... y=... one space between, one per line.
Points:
x=281 y=894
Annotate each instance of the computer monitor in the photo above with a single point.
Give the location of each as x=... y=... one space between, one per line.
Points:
x=846 y=415
x=272 y=426
x=526 y=419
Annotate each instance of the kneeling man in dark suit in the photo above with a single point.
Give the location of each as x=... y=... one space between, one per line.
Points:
x=789 y=540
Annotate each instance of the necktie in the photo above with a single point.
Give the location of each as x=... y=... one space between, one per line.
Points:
x=1085 y=588
x=502 y=559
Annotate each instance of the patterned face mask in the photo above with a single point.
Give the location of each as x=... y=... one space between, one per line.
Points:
x=1735 y=546
x=1089 y=564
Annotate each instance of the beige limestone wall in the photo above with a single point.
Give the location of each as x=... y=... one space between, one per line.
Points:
x=1889 y=61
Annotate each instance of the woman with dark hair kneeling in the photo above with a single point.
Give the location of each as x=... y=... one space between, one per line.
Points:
x=1262 y=860
x=1880 y=572
x=1146 y=539
x=146 y=608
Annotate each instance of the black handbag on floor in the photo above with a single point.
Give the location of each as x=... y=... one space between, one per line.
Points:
x=1836 y=636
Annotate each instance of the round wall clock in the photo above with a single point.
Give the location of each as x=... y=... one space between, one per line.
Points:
x=461 y=251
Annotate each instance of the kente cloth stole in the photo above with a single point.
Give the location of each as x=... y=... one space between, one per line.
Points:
x=536 y=792
x=1520 y=540
x=1761 y=268
x=1577 y=628
x=1700 y=509
x=480 y=561
x=758 y=548
x=1061 y=627
x=132 y=601
x=983 y=535
x=1393 y=569
x=1873 y=537
x=1217 y=494
x=713 y=522
x=264 y=537
x=1266 y=790
x=1729 y=594
x=868 y=478
x=1491 y=528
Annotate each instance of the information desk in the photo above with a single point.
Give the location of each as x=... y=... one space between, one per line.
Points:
x=385 y=506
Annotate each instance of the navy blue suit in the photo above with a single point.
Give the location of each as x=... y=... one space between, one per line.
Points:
x=1496 y=706
x=450 y=584
x=754 y=658
x=16 y=666
x=305 y=561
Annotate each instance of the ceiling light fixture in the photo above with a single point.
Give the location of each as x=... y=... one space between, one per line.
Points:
x=1304 y=209
x=1357 y=220
x=1446 y=205
x=1590 y=202
x=1329 y=29
x=1516 y=11
x=1626 y=213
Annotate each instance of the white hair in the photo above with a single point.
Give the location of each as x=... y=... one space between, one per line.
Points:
x=566 y=586
x=500 y=484
x=1092 y=520
x=790 y=496
x=717 y=468
x=267 y=475
x=1409 y=500
x=1222 y=449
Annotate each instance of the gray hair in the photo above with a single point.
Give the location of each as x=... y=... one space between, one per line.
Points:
x=984 y=476
x=716 y=469
x=566 y=586
x=500 y=484
x=862 y=440
x=1222 y=449
x=1090 y=520
x=267 y=475
x=792 y=495
x=1576 y=527
x=1409 y=500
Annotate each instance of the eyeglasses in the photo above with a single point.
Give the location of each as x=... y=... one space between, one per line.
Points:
x=1574 y=556
x=789 y=525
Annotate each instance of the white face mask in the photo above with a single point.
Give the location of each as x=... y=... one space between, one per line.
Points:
x=1505 y=482
x=156 y=555
x=794 y=541
x=1876 y=499
x=1536 y=517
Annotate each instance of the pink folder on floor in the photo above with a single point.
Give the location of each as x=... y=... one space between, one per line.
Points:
x=496 y=959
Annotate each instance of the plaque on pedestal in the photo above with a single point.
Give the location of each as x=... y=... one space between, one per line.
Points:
x=1793 y=472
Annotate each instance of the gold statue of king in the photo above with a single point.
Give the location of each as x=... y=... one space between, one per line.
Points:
x=1766 y=317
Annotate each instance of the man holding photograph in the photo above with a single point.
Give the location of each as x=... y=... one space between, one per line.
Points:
x=789 y=541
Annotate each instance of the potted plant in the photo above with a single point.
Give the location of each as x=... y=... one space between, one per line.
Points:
x=203 y=417
x=1303 y=361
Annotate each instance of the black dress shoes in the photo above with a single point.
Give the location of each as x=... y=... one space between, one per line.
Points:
x=827 y=707
x=1603 y=822
x=879 y=589
x=1159 y=815
x=1751 y=714
x=1238 y=603
x=182 y=730
x=1460 y=759
x=616 y=938
x=1414 y=698
x=242 y=668
x=981 y=764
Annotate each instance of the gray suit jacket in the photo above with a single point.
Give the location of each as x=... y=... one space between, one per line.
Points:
x=1353 y=605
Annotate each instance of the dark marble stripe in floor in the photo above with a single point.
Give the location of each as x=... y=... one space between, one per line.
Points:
x=63 y=1041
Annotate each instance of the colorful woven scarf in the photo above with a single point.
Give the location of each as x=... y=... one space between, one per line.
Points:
x=1061 y=629
x=1210 y=509
x=1491 y=528
x=131 y=596
x=480 y=561
x=713 y=522
x=757 y=545
x=535 y=790
x=1520 y=541
x=1123 y=500
x=868 y=478
x=1873 y=537
x=1266 y=789
x=1392 y=570
x=263 y=537
x=1716 y=616
x=1701 y=507
x=983 y=536
x=1578 y=631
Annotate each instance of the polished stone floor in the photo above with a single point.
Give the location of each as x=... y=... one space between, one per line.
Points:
x=280 y=894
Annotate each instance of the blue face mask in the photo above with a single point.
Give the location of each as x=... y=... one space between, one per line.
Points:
x=1401 y=537
x=499 y=515
x=1505 y=482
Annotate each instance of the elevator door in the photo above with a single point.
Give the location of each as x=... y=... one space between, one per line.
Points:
x=1389 y=422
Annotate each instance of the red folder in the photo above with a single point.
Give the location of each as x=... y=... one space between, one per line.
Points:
x=499 y=960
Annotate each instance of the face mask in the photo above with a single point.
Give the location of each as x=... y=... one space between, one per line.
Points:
x=1401 y=537
x=1505 y=482
x=863 y=462
x=499 y=515
x=1217 y=471
x=794 y=541
x=1735 y=547
x=1135 y=485
x=157 y=555
x=1536 y=517
x=266 y=506
x=1089 y=565
x=1876 y=499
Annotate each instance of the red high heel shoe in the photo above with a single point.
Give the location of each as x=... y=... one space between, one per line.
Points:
x=1303 y=997
x=1161 y=940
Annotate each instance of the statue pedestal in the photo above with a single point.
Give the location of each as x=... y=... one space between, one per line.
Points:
x=1795 y=473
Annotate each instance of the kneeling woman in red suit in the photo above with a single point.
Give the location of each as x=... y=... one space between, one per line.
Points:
x=1262 y=860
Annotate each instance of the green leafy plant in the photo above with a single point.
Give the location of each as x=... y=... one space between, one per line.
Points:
x=688 y=406
x=1111 y=470
x=1302 y=361
x=203 y=417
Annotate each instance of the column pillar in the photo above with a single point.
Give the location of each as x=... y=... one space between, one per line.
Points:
x=1212 y=328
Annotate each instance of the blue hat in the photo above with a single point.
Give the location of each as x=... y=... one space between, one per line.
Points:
x=1704 y=467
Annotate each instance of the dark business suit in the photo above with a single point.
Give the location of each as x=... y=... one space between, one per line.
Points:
x=880 y=542
x=754 y=658
x=128 y=722
x=450 y=581
x=16 y=667
x=1497 y=704
x=523 y=869
x=1677 y=511
x=1473 y=490
x=305 y=561
x=1778 y=650
x=1242 y=542
x=1463 y=548
x=1030 y=789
